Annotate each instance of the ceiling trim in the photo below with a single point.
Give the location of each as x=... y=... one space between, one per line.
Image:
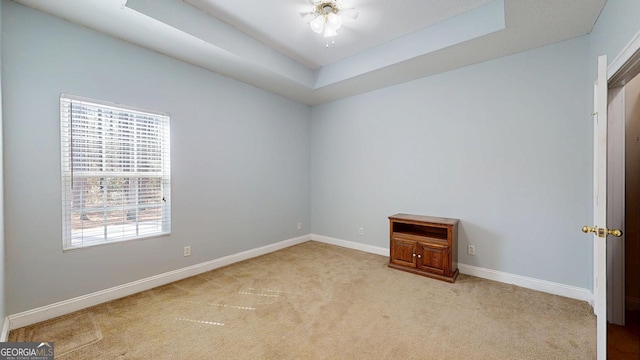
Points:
x=472 y=24
x=182 y=17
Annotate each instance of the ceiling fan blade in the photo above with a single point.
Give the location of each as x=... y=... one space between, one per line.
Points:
x=307 y=16
x=352 y=13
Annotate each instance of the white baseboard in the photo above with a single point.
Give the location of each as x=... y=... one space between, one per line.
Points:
x=351 y=245
x=4 y=335
x=51 y=311
x=522 y=281
x=572 y=292
x=68 y=306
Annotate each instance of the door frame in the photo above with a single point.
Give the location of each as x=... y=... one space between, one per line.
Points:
x=621 y=70
x=626 y=65
x=616 y=205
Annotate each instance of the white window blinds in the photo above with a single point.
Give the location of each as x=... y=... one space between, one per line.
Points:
x=115 y=172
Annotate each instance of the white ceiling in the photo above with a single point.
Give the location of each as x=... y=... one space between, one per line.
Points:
x=276 y=25
x=270 y=46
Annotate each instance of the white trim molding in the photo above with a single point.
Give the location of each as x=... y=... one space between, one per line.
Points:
x=572 y=292
x=4 y=335
x=351 y=245
x=51 y=311
x=620 y=69
x=81 y=302
x=489 y=274
x=625 y=54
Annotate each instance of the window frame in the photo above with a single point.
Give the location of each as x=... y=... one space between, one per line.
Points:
x=138 y=119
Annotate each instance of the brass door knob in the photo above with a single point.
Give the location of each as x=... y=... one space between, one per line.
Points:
x=615 y=232
x=601 y=232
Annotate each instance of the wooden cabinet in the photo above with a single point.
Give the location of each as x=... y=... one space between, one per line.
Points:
x=424 y=245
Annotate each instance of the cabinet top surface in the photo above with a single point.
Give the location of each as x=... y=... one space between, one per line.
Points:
x=422 y=218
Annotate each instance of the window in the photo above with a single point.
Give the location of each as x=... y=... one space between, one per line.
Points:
x=116 y=181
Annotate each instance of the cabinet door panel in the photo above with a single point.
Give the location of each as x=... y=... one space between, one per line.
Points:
x=433 y=258
x=403 y=252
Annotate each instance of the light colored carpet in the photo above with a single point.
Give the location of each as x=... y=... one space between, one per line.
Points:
x=78 y=330
x=317 y=301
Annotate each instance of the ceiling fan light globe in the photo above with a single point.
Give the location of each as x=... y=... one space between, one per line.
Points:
x=317 y=24
x=329 y=32
x=334 y=20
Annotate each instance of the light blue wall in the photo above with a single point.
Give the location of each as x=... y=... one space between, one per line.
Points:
x=502 y=145
x=240 y=158
x=617 y=24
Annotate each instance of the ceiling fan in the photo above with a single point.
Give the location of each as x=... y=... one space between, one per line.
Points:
x=326 y=16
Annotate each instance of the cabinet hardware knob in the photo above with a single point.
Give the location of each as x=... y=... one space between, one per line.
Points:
x=419 y=256
x=414 y=255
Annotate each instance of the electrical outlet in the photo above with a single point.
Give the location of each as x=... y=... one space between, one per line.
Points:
x=299 y=226
x=187 y=251
x=471 y=249
x=361 y=231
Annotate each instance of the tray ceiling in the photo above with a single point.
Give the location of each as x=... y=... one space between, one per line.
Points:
x=269 y=45
x=278 y=25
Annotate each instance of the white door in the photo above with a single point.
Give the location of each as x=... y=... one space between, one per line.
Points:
x=600 y=206
x=599 y=229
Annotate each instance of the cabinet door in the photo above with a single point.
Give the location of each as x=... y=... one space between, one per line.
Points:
x=433 y=258
x=403 y=252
